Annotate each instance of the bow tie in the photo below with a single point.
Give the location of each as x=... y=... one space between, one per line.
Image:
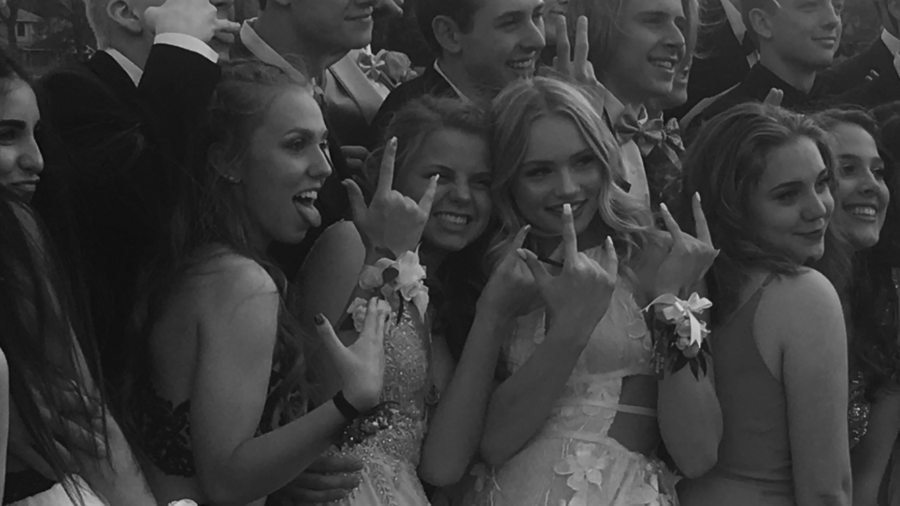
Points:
x=650 y=134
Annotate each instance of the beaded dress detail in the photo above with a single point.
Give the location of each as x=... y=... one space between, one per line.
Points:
x=571 y=460
x=391 y=456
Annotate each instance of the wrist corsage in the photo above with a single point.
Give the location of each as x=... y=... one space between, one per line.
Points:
x=362 y=427
x=679 y=338
x=398 y=281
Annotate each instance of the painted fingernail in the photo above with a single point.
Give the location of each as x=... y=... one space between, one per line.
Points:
x=319 y=319
x=521 y=253
x=567 y=208
x=697 y=194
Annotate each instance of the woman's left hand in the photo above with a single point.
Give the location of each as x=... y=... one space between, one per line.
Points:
x=690 y=257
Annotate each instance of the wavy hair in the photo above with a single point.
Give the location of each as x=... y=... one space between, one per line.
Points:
x=865 y=282
x=38 y=335
x=209 y=211
x=725 y=164
x=603 y=26
x=457 y=284
x=513 y=113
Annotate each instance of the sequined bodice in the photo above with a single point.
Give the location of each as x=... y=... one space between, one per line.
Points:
x=392 y=455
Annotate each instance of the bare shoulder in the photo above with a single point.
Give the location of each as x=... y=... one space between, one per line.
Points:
x=224 y=279
x=800 y=310
x=339 y=243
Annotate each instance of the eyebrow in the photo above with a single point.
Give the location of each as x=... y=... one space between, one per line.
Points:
x=796 y=182
x=309 y=134
x=516 y=15
x=852 y=157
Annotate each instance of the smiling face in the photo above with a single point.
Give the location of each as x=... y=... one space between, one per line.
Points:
x=559 y=168
x=861 y=196
x=806 y=32
x=505 y=41
x=333 y=26
x=21 y=161
x=791 y=203
x=462 y=202
x=284 y=168
x=646 y=50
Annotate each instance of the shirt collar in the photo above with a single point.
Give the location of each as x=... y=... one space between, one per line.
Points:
x=264 y=52
x=437 y=68
x=134 y=72
x=614 y=108
x=892 y=43
x=735 y=19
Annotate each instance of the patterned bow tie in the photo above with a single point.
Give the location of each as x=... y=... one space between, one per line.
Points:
x=661 y=150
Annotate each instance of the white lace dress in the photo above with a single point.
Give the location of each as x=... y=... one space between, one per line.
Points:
x=572 y=461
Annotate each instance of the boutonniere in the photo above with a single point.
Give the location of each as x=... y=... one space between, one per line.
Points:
x=392 y=67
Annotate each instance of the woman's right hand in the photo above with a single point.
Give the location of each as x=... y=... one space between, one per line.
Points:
x=392 y=221
x=360 y=365
x=511 y=291
x=582 y=292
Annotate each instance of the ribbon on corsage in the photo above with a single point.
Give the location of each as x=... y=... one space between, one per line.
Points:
x=398 y=280
x=681 y=331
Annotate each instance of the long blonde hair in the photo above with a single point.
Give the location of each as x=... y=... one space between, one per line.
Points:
x=513 y=113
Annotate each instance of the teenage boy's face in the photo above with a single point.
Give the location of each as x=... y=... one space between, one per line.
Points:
x=646 y=51
x=806 y=32
x=505 y=41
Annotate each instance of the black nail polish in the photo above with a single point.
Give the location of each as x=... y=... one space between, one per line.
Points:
x=320 y=320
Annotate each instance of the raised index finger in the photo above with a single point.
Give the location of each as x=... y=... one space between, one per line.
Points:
x=570 y=240
x=700 y=221
x=386 y=174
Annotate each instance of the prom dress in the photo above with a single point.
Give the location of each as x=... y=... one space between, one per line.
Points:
x=391 y=456
x=572 y=461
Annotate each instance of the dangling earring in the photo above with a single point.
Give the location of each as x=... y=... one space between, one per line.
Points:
x=231 y=179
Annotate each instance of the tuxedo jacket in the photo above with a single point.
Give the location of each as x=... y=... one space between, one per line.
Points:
x=431 y=82
x=852 y=73
x=720 y=61
x=107 y=192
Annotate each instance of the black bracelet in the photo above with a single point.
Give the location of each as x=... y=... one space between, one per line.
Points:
x=344 y=406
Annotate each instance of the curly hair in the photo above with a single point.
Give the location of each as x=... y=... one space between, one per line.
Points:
x=513 y=113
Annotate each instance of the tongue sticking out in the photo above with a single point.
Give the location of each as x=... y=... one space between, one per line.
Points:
x=308 y=212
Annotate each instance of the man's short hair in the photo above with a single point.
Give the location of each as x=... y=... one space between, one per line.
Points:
x=99 y=20
x=462 y=12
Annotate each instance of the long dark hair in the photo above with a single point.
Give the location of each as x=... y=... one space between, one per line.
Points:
x=724 y=164
x=38 y=334
x=867 y=289
x=208 y=213
x=458 y=283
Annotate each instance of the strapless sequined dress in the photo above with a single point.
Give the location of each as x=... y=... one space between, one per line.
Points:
x=391 y=457
x=572 y=461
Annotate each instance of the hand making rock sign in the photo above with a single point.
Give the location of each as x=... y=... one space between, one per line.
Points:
x=393 y=221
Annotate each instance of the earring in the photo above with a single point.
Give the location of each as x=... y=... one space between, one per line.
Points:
x=231 y=179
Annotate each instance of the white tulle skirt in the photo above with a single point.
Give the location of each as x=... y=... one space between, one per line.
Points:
x=57 y=496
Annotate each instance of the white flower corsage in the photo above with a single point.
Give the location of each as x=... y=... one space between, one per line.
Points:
x=398 y=281
x=183 y=502
x=679 y=338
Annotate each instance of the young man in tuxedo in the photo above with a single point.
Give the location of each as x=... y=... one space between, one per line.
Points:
x=636 y=47
x=481 y=46
x=797 y=39
x=122 y=123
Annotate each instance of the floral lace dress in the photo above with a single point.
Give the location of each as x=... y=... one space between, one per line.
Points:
x=572 y=461
x=391 y=457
